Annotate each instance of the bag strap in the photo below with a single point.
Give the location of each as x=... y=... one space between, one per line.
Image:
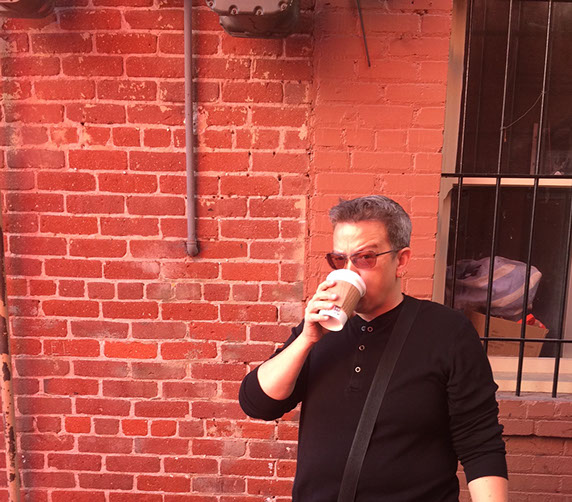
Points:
x=374 y=398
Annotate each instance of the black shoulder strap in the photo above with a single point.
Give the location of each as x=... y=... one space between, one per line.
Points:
x=374 y=398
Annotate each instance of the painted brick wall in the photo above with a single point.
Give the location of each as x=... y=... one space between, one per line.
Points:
x=128 y=354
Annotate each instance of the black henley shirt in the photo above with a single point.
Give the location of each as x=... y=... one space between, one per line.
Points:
x=439 y=408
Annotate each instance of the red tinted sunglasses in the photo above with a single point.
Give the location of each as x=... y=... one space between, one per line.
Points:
x=361 y=259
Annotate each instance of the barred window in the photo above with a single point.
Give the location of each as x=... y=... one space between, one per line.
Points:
x=506 y=192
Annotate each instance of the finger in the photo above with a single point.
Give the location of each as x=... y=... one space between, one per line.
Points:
x=326 y=284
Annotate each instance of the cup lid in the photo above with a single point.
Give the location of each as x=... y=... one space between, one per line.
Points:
x=343 y=274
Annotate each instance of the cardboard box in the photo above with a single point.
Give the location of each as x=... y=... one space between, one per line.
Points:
x=502 y=328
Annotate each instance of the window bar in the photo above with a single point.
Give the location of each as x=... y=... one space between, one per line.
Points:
x=459 y=172
x=496 y=213
x=561 y=342
x=527 y=283
x=483 y=27
x=539 y=147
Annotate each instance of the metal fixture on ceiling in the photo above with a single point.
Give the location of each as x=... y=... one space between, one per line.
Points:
x=257 y=18
x=26 y=8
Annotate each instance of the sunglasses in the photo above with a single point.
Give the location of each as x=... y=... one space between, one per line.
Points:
x=361 y=259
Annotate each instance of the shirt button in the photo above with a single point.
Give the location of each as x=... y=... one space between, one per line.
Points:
x=361 y=347
x=363 y=328
x=369 y=329
x=358 y=369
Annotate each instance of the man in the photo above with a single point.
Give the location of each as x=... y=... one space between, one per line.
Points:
x=439 y=406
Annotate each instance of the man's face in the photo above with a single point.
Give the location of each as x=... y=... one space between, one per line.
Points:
x=383 y=280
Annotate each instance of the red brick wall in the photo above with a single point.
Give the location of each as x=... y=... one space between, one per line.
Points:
x=128 y=353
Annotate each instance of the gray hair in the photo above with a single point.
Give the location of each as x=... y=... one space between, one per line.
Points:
x=378 y=208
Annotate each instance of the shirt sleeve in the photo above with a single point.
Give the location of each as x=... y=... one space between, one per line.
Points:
x=257 y=404
x=473 y=408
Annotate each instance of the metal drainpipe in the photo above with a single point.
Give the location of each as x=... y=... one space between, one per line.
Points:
x=192 y=243
x=12 y=467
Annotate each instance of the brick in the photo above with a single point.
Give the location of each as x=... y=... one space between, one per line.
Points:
x=164 y=483
x=20 y=307
x=168 y=115
x=279 y=116
x=158 y=371
x=127 y=183
x=249 y=185
x=129 y=291
x=106 y=481
x=68 y=225
x=68 y=90
x=132 y=350
x=157 y=138
x=97 y=159
x=189 y=390
x=162 y=446
x=75 y=308
x=107 y=369
x=78 y=425
x=74 y=462
x=37 y=245
x=35 y=202
x=161 y=409
x=127 y=90
x=77 y=496
x=58 y=43
x=165 y=19
x=16 y=180
x=188 y=292
x=248 y=312
x=213 y=371
x=92 y=66
x=224 y=115
x=273 y=69
x=257 y=92
x=71 y=386
x=73 y=182
x=159 y=330
x=225 y=410
x=222 y=68
x=34 y=113
x=29 y=66
x=129 y=226
x=188 y=350
x=134 y=427
x=123 y=388
x=87 y=20
x=98 y=248
x=134 y=497
x=126 y=136
x=224 y=161
x=216 y=292
x=73 y=348
x=20 y=223
x=100 y=290
x=99 y=329
x=43 y=405
x=151 y=66
x=126 y=43
x=98 y=113
x=132 y=463
x=46 y=442
x=249 y=271
x=34 y=479
x=131 y=270
x=190 y=270
x=93 y=406
x=27 y=158
x=223 y=249
x=105 y=426
x=155 y=205
x=66 y=267
x=189 y=311
x=153 y=161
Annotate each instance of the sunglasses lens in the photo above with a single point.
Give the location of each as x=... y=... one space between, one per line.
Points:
x=336 y=261
x=364 y=260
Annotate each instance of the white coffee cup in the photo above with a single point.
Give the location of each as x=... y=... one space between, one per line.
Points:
x=349 y=288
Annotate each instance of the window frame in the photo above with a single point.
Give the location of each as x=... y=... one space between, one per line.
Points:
x=545 y=375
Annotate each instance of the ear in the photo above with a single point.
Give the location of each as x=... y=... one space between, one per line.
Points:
x=403 y=257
